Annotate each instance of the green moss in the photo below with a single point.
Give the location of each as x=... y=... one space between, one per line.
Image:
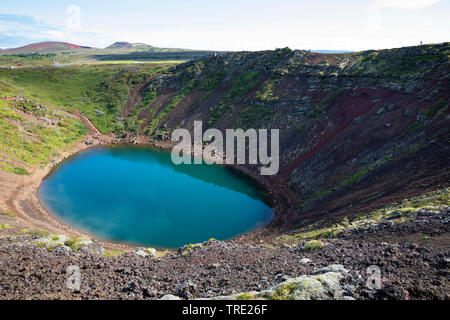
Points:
x=320 y=107
x=211 y=82
x=313 y=244
x=255 y=114
x=193 y=245
x=284 y=291
x=322 y=192
x=189 y=247
x=267 y=91
x=216 y=112
x=241 y=85
x=354 y=178
x=299 y=128
x=5 y=226
x=112 y=253
x=413 y=127
x=244 y=296
x=18 y=170
x=73 y=244
x=435 y=108
x=325 y=233
x=40 y=233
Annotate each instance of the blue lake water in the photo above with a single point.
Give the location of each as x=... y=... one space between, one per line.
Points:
x=137 y=195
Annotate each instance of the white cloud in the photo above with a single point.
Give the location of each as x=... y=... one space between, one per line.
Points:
x=19 y=30
x=427 y=24
x=373 y=21
x=54 y=34
x=405 y=4
x=374 y=16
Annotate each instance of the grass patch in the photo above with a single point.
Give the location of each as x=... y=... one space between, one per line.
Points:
x=354 y=178
x=318 y=110
x=99 y=91
x=40 y=233
x=73 y=244
x=171 y=105
x=435 y=108
x=19 y=60
x=313 y=244
x=112 y=253
x=244 y=296
x=284 y=291
x=241 y=85
x=33 y=143
x=267 y=91
x=20 y=171
x=255 y=114
x=413 y=127
x=5 y=226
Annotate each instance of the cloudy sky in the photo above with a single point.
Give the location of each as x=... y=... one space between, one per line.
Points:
x=228 y=25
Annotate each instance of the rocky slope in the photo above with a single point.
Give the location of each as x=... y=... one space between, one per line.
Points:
x=408 y=244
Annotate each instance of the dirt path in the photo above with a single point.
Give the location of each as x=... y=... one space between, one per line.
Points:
x=135 y=96
x=92 y=130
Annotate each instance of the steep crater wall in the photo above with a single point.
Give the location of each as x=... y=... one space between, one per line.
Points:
x=356 y=129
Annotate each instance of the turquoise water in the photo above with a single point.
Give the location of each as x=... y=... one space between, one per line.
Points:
x=137 y=195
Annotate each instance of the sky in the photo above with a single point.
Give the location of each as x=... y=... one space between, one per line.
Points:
x=228 y=25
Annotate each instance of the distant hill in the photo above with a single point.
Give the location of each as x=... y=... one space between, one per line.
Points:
x=117 y=51
x=127 y=45
x=45 y=47
x=117 y=47
x=123 y=50
x=141 y=47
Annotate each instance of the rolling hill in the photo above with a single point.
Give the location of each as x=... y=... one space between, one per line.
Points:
x=127 y=45
x=37 y=53
x=45 y=47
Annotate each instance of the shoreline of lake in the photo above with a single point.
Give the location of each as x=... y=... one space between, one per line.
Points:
x=22 y=201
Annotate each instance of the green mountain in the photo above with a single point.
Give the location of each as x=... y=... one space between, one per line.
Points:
x=46 y=47
x=127 y=45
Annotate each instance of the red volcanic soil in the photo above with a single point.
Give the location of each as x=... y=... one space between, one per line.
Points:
x=45 y=47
